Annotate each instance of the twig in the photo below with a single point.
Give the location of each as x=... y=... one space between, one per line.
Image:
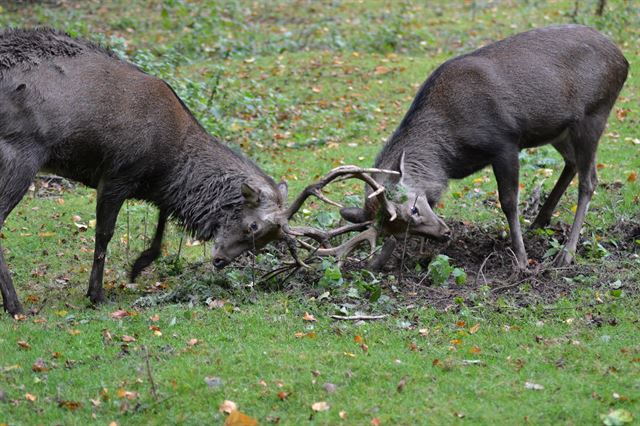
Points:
x=358 y=317
x=484 y=262
x=154 y=391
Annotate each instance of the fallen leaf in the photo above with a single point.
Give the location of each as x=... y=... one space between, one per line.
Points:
x=633 y=176
x=30 y=397
x=375 y=421
x=533 y=386
x=320 y=406
x=308 y=317
x=23 y=344
x=424 y=332
x=381 y=70
x=128 y=339
x=95 y=402
x=74 y=332
x=460 y=324
x=193 y=342
x=283 y=395
x=130 y=395
x=70 y=405
x=228 y=406
x=316 y=89
x=236 y=418
x=621 y=113
x=39 y=366
x=155 y=318
x=357 y=339
x=120 y=313
x=342 y=414
x=474 y=329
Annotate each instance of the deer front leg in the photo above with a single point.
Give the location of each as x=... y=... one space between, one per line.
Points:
x=586 y=187
x=153 y=252
x=108 y=205
x=506 y=169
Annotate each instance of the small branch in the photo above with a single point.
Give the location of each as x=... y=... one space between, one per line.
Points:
x=359 y=317
x=154 y=391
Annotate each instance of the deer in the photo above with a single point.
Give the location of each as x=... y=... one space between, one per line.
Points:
x=75 y=109
x=549 y=86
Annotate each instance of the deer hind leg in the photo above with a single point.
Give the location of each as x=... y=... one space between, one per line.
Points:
x=585 y=136
x=153 y=252
x=506 y=168
x=109 y=201
x=565 y=148
x=17 y=170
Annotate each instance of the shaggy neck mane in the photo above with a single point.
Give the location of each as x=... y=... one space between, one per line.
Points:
x=204 y=192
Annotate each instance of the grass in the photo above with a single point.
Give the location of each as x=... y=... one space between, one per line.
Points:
x=302 y=87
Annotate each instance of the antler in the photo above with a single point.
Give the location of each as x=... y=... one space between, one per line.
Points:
x=345 y=172
x=343 y=250
x=323 y=237
x=368 y=233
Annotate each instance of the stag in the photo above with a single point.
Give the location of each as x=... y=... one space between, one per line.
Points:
x=554 y=85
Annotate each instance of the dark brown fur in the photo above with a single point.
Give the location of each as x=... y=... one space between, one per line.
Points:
x=553 y=85
x=72 y=108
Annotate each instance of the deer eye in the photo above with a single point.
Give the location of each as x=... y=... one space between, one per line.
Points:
x=414 y=210
x=253 y=226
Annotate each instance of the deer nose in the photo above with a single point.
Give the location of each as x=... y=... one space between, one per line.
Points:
x=220 y=262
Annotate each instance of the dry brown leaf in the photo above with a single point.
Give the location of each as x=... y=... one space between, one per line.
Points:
x=130 y=395
x=633 y=176
x=23 y=344
x=342 y=414
x=120 y=313
x=474 y=329
x=193 y=342
x=375 y=421
x=382 y=70
x=320 y=406
x=128 y=339
x=237 y=418
x=283 y=395
x=30 y=397
x=70 y=405
x=228 y=407
x=39 y=366
x=357 y=339
x=308 y=317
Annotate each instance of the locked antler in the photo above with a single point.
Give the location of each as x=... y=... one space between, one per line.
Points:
x=368 y=233
x=343 y=173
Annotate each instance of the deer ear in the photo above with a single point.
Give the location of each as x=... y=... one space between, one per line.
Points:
x=283 y=188
x=354 y=214
x=250 y=194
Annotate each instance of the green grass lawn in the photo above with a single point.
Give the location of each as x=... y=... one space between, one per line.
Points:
x=302 y=87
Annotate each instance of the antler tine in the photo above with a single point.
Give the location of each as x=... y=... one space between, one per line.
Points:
x=316 y=188
x=321 y=236
x=343 y=250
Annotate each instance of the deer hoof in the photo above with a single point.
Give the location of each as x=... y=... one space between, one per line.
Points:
x=13 y=307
